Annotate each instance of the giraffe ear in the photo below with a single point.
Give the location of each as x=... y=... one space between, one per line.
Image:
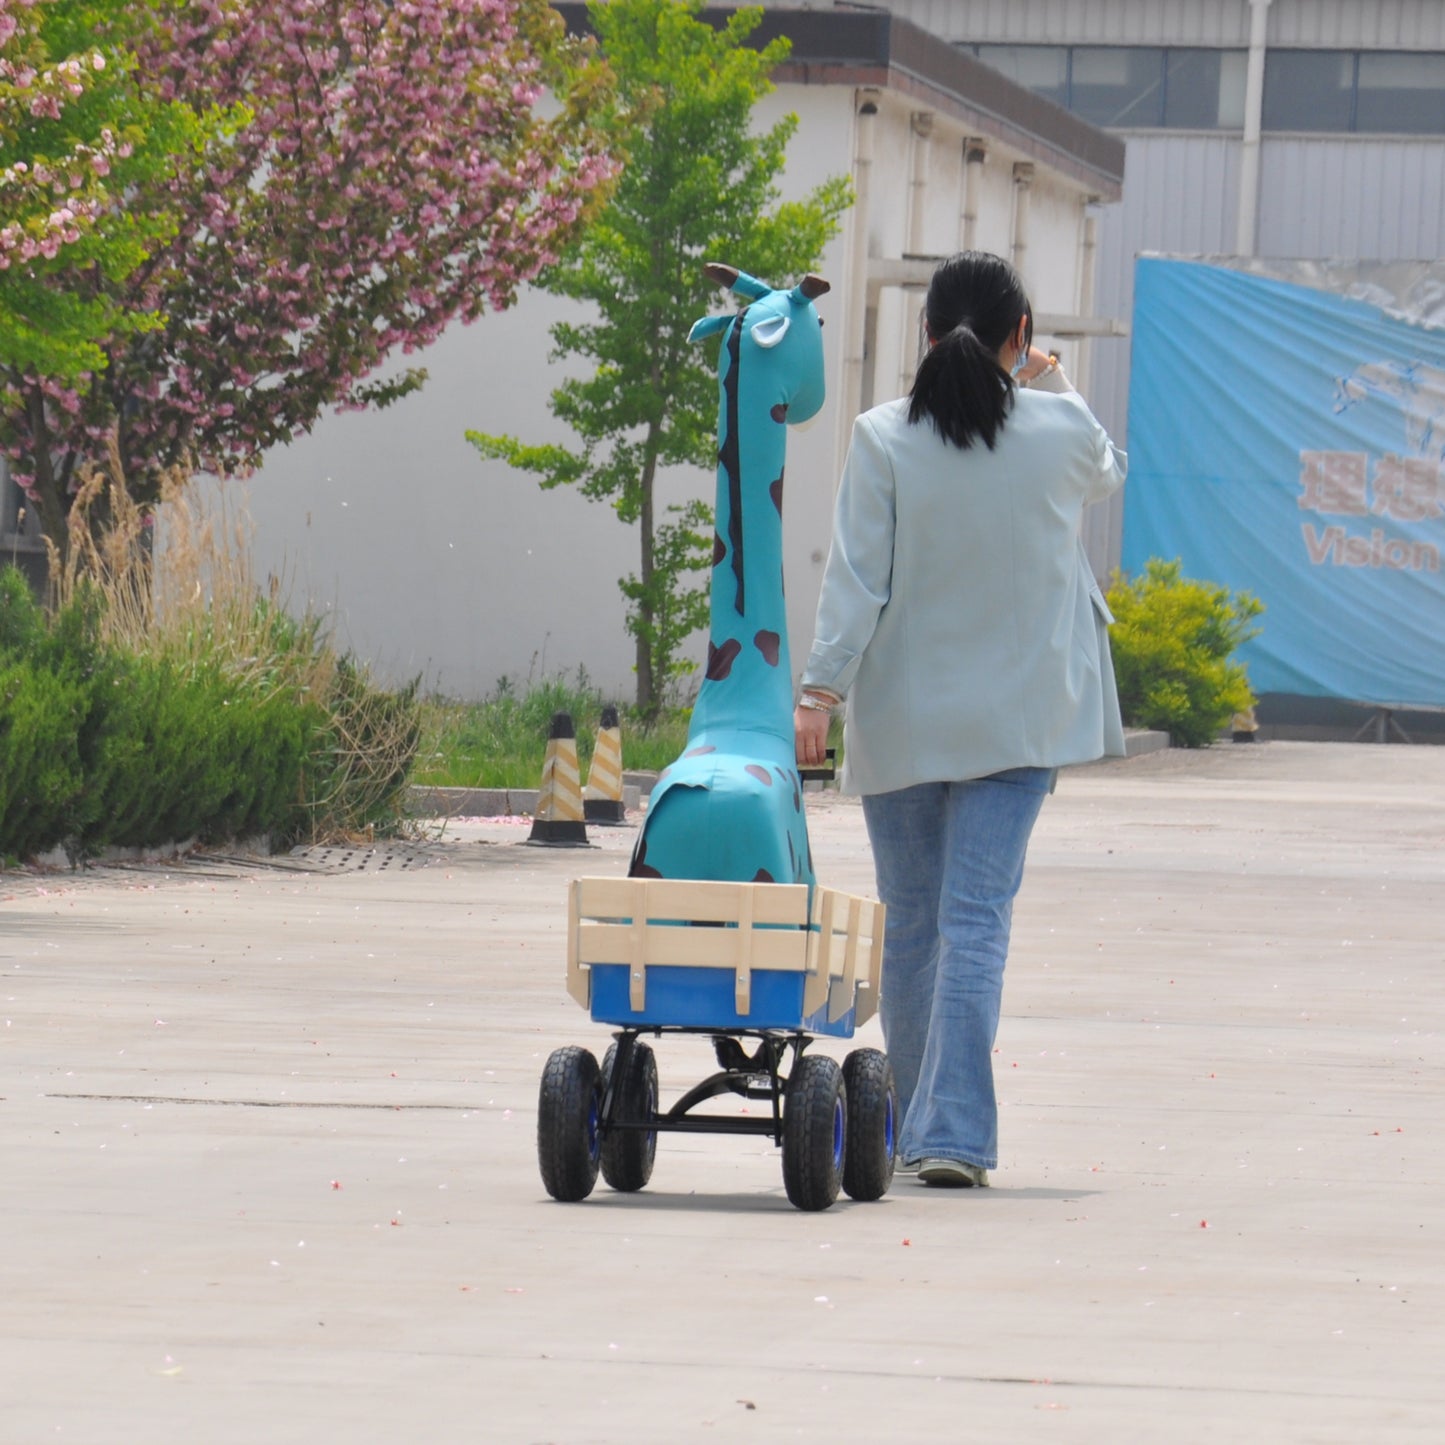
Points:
x=770 y=330
x=709 y=326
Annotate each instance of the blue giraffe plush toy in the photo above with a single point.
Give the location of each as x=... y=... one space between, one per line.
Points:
x=731 y=807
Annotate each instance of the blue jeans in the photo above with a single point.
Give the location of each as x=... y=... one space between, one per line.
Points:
x=949 y=859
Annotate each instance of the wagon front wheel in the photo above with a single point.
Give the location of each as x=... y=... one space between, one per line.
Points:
x=568 y=1137
x=628 y=1154
x=815 y=1132
x=872 y=1124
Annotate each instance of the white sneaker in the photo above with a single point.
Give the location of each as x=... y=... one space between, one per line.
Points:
x=899 y=1167
x=953 y=1174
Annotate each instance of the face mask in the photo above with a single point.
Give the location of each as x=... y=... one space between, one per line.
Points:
x=1021 y=361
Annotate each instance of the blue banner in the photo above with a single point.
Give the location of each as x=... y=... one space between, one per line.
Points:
x=1288 y=442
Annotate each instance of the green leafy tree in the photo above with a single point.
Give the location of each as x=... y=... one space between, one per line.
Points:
x=699 y=184
x=76 y=136
x=1173 y=641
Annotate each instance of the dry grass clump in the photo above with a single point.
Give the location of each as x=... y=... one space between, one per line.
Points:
x=175 y=585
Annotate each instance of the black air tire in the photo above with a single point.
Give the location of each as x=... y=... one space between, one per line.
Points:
x=815 y=1132
x=872 y=1124
x=628 y=1154
x=568 y=1139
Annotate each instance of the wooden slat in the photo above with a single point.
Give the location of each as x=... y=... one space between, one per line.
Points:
x=872 y=927
x=785 y=949
x=743 y=954
x=688 y=899
x=637 y=954
x=579 y=979
x=820 y=952
x=840 y=997
x=643 y=922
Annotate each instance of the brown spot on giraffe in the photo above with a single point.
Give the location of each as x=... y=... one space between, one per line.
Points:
x=775 y=491
x=700 y=752
x=719 y=549
x=640 y=867
x=780 y=412
x=720 y=659
x=768 y=643
x=756 y=770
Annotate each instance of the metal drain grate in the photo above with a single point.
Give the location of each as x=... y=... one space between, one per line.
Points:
x=369 y=858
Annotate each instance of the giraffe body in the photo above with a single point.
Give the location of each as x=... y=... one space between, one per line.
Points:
x=731 y=807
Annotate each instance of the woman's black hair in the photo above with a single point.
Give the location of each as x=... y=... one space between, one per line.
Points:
x=975 y=303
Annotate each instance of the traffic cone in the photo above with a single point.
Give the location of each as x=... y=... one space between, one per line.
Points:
x=558 y=819
x=602 y=797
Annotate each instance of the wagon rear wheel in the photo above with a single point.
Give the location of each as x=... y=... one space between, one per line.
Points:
x=872 y=1124
x=815 y=1132
x=568 y=1138
x=628 y=1154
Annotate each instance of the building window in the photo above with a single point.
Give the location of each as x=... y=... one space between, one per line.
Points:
x=1401 y=92
x=1142 y=87
x=1309 y=90
x=1043 y=69
x=1120 y=86
x=1204 y=89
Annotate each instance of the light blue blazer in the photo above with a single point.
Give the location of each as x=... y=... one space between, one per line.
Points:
x=959 y=615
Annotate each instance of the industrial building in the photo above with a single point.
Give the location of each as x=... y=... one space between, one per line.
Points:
x=1072 y=135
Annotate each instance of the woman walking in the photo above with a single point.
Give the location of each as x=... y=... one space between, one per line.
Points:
x=960 y=621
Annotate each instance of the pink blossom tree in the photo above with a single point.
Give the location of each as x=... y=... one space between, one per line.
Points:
x=75 y=135
x=392 y=171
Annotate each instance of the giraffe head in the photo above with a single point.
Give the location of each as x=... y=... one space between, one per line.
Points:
x=783 y=332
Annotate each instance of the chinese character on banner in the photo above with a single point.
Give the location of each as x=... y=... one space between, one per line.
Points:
x=1407 y=488
x=1334 y=482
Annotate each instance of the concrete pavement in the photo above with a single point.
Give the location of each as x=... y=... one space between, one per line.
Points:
x=269 y=1167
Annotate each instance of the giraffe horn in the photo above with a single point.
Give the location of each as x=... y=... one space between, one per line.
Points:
x=736 y=281
x=811 y=287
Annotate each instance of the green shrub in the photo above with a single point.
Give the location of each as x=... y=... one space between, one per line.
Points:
x=501 y=742
x=1172 y=641
x=41 y=779
x=185 y=752
x=46 y=681
x=106 y=743
x=362 y=756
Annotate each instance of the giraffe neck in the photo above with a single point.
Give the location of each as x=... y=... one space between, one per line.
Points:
x=748 y=683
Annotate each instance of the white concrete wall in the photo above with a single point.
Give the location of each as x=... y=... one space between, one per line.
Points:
x=430 y=561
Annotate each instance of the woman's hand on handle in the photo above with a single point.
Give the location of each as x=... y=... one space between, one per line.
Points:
x=810 y=729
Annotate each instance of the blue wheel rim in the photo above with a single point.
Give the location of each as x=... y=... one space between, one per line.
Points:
x=594 y=1139
x=888 y=1127
x=838 y=1133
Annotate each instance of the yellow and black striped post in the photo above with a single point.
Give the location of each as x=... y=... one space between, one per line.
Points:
x=602 y=797
x=558 y=819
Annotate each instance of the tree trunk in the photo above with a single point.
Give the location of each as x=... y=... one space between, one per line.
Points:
x=647 y=698
x=48 y=499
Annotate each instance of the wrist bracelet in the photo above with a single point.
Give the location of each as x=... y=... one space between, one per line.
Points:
x=815 y=704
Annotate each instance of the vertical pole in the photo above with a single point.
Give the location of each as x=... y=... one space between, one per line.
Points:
x=910 y=352
x=1023 y=186
x=974 y=155
x=1247 y=231
x=865 y=111
x=1088 y=265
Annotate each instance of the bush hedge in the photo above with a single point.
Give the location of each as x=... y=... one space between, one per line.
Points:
x=101 y=746
x=1173 y=641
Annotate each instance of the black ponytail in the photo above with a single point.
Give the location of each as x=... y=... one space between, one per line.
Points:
x=975 y=303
